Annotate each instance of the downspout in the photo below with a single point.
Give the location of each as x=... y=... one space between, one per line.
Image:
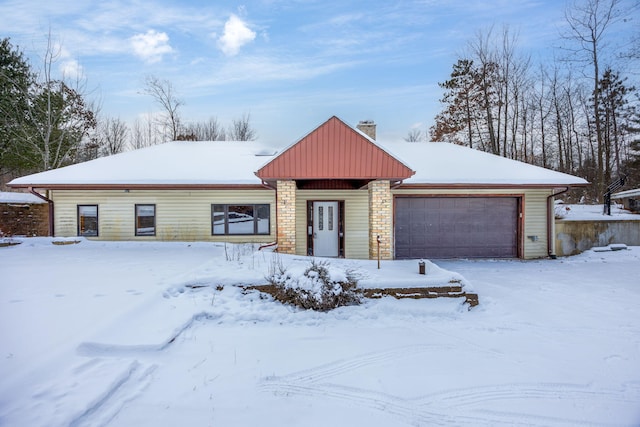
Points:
x=397 y=184
x=551 y=217
x=50 y=202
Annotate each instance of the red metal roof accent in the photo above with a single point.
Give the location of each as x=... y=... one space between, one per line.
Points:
x=334 y=150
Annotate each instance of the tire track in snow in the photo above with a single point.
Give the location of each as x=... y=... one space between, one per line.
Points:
x=432 y=409
x=125 y=388
x=427 y=412
x=332 y=369
x=367 y=398
x=477 y=395
x=132 y=382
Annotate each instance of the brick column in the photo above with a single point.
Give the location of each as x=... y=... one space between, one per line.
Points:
x=286 y=216
x=380 y=219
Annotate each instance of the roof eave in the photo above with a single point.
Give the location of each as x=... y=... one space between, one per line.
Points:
x=478 y=186
x=336 y=178
x=121 y=186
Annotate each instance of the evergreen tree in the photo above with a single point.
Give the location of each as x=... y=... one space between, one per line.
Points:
x=632 y=165
x=613 y=112
x=16 y=78
x=44 y=121
x=458 y=121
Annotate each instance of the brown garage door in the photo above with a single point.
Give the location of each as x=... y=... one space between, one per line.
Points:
x=456 y=227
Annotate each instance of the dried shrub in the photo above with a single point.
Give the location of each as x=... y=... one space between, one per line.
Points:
x=315 y=289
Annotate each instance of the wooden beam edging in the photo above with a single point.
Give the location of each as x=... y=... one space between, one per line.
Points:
x=430 y=292
x=400 y=293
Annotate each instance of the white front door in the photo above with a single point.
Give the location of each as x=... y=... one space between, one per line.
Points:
x=325 y=229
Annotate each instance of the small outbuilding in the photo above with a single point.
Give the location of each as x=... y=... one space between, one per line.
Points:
x=336 y=192
x=23 y=214
x=630 y=199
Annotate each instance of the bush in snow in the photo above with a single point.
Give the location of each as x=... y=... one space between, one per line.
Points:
x=315 y=289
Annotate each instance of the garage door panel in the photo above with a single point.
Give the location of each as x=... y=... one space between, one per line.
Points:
x=453 y=227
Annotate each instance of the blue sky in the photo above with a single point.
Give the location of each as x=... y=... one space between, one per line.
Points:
x=291 y=64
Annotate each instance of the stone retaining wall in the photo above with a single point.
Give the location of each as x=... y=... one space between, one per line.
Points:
x=574 y=237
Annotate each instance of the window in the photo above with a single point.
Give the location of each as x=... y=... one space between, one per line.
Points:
x=145 y=220
x=87 y=220
x=240 y=219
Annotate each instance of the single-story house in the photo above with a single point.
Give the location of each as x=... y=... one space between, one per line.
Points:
x=336 y=192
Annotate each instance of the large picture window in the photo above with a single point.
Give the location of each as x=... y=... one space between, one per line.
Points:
x=145 y=220
x=240 y=219
x=87 y=220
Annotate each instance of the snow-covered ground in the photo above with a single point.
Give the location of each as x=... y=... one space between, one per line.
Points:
x=593 y=213
x=155 y=334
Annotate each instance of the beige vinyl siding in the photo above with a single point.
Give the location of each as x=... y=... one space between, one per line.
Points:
x=356 y=219
x=183 y=215
x=535 y=213
x=535 y=224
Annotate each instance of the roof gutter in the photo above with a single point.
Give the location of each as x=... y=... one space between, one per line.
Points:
x=551 y=251
x=50 y=202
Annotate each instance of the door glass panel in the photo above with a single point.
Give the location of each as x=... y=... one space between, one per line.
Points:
x=330 y=214
x=320 y=218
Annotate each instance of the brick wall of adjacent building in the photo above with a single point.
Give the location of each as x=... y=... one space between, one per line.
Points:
x=380 y=219
x=24 y=219
x=286 y=214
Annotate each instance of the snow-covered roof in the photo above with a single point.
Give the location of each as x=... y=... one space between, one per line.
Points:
x=235 y=163
x=13 y=197
x=444 y=163
x=172 y=163
x=625 y=194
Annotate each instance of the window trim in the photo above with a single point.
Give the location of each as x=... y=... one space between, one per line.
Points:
x=225 y=211
x=79 y=233
x=135 y=213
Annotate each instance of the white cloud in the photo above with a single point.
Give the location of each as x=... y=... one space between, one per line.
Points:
x=236 y=34
x=151 y=46
x=71 y=69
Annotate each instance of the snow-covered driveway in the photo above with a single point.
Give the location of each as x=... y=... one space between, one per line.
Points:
x=155 y=334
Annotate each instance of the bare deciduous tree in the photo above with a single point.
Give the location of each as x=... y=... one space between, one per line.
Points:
x=58 y=117
x=555 y=119
x=163 y=93
x=414 y=135
x=112 y=136
x=143 y=133
x=589 y=22
x=241 y=129
x=211 y=130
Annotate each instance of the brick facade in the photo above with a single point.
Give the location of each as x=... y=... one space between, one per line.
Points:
x=24 y=219
x=380 y=219
x=286 y=216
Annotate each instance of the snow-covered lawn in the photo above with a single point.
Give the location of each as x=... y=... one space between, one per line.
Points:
x=155 y=334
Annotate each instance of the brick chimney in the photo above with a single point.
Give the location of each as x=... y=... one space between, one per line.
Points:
x=368 y=127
